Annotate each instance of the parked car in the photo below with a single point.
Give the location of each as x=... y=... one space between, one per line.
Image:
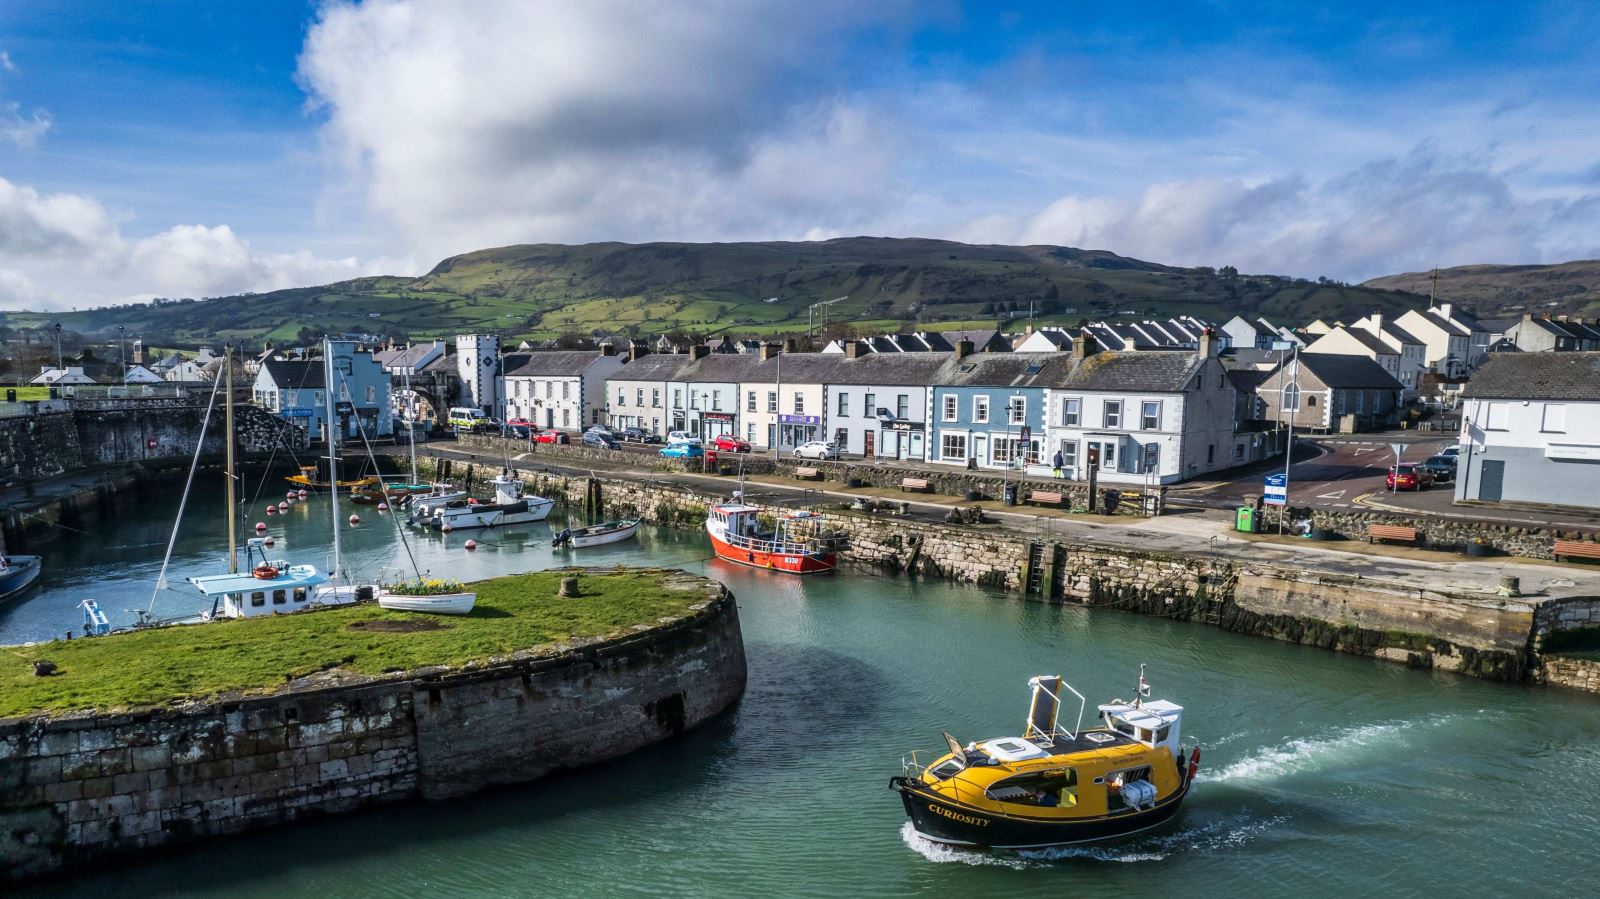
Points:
x=682 y=437
x=519 y=428
x=682 y=451
x=1409 y=476
x=550 y=437
x=1442 y=467
x=1451 y=451
x=730 y=444
x=638 y=435
x=601 y=439
x=817 y=449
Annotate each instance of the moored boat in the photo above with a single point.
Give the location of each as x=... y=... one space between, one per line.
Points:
x=509 y=507
x=17 y=573
x=796 y=544
x=370 y=494
x=1053 y=786
x=597 y=535
x=434 y=604
x=312 y=478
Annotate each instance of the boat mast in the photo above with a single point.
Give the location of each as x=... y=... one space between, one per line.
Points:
x=411 y=423
x=233 y=512
x=333 y=449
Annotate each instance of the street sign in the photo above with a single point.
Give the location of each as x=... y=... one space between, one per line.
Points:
x=1276 y=490
x=1399 y=450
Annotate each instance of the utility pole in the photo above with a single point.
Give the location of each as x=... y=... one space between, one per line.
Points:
x=1288 y=448
x=59 y=365
x=1433 y=289
x=122 y=354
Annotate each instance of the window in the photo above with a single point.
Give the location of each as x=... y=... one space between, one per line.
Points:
x=655 y=397
x=750 y=401
x=279 y=597
x=566 y=417
x=1361 y=401
x=716 y=401
x=566 y=393
x=953 y=447
x=1291 y=397
x=1016 y=410
x=1113 y=413
x=258 y=598
x=980 y=409
x=300 y=594
x=1499 y=417
x=799 y=403
x=677 y=397
x=622 y=397
x=1069 y=453
x=372 y=394
x=1238 y=451
x=638 y=396
x=772 y=401
x=1071 y=411
x=1555 y=418
x=870 y=407
x=1150 y=416
x=902 y=406
x=949 y=407
x=844 y=404
x=1211 y=453
x=549 y=389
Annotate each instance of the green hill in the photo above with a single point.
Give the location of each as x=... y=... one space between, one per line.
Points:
x=1506 y=290
x=547 y=290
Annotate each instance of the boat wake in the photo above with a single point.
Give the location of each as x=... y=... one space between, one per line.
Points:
x=1225 y=834
x=1311 y=754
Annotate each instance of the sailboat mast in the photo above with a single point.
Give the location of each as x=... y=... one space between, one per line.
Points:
x=233 y=511
x=333 y=448
x=411 y=424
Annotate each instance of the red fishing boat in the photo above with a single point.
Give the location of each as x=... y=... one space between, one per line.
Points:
x=797 y=544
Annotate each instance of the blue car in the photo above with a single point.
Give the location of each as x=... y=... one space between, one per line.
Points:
x=683 y=451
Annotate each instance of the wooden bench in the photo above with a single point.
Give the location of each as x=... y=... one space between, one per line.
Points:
x=919 y=484
x=1044 y=497
x=1376 y=532
x=808 y=474
x=1577 y=549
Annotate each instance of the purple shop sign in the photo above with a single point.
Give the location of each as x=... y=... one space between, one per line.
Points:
x=800 y=419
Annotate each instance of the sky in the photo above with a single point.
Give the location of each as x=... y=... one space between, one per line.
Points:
x=182 y=148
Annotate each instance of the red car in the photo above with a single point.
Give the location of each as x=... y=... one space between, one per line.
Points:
x=549 y=437
x=730 y=444
x=1408 y=476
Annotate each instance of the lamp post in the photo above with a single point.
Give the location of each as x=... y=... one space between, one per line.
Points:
x=777 y=426
x=1288 y=447
x=59 y=365
x=122 y=354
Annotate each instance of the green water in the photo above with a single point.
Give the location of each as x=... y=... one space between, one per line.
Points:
x=1323 y=774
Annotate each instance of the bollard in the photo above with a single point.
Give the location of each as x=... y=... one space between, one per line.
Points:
x=569 y=587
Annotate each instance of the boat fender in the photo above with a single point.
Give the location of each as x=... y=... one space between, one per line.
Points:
x=265 y=572
x=1194 y=763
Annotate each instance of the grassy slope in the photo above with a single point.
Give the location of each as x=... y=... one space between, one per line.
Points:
x=1505 y=290
x=551 y=289
x=156 y=667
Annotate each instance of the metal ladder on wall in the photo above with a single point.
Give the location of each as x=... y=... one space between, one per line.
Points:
x=1035 y=582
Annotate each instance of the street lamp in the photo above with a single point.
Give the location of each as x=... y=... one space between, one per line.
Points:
x=59 y=365
x=122 y=355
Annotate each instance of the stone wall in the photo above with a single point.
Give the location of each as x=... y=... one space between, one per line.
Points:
x=75 y=788
x=1446 y=534
x=1579 y=674
x=134 y=430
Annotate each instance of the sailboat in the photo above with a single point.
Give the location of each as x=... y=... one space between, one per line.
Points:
x=17 y=573
x=267 y=586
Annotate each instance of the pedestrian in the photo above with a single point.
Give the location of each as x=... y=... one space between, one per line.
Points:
x=1058 y=463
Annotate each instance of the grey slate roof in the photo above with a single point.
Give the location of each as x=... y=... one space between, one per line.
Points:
x=1371 y=342
x=653 y=367
x=1537 y=376
x=1139 y=371
x=1003 y=370
x=402 y=357
x=295 y=374
x=1249 y=355
x=551 y=363
x=1449 y=326
x=1342 y=372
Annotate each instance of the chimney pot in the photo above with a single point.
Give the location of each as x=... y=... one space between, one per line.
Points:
x=768 y=350
x=852 y=349
x=699 y=351
x=963 y=348
x=790 y=345
x=609 y=349
x=1083 y=346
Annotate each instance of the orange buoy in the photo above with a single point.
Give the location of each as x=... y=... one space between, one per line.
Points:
x=472 y=501
x=471 y=544
x=355 y=519
x=261 y=525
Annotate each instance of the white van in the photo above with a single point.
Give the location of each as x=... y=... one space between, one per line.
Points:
x=467 y=418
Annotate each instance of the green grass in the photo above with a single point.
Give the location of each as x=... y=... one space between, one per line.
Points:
x=156 y=667
x=31 y=393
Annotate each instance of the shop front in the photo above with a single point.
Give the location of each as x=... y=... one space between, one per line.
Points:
x=902 y=439
x=715 y=424
x=794 y=430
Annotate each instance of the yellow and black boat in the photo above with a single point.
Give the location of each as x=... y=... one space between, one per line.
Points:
x=1053 y=786
x=311 y=478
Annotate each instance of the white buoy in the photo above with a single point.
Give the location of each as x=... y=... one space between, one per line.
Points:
x=269 y=541
x=283 y=506
x=289 y=495
x=303 y=494
x=446 y=527
x=355 y=519
x=272 y=510
x=261 y=525
x=383 y=507
x=472 y=544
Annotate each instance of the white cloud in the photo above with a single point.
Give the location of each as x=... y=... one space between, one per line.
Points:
x=72 y=244
x=22 y=129
x=506 y=121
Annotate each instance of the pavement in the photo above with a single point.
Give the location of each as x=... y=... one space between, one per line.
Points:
x=1195 y=532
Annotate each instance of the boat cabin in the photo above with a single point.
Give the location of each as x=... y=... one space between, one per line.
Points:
x=263 y=586
x=1151 y=723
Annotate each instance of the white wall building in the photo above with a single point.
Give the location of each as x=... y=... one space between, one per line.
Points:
x=563 y=389
x=639 y=394
x=478 y=363
x=1530 y=430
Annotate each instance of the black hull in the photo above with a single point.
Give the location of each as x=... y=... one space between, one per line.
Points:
x=945 y=822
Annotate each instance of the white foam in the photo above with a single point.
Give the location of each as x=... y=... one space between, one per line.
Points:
x=1315 y=753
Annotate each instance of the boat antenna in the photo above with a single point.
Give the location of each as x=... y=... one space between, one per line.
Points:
x=333 y=449
x=1143 y=691
x=233 y=512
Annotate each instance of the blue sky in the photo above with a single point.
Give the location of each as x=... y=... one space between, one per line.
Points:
x=189 y=148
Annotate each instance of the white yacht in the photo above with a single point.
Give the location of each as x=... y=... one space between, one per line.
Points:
x=509 y=507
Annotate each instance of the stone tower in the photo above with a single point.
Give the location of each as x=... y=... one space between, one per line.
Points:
x=477 y=362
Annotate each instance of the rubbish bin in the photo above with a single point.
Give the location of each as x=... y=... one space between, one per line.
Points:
x=11 y=395
x=1246 y=520
x=1009 y=497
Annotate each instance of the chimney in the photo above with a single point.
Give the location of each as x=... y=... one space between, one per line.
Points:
x=1446 y=309
x=608 y=348
x=852 y=349
x=790 y=345
x=1083 y=346
x=963 y=348
x=1377 y=322
x=1208 y=344
x=699 y=351
x=637 y=348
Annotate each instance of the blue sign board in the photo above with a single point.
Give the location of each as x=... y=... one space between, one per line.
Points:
x=1276 y=492
x=296 y=413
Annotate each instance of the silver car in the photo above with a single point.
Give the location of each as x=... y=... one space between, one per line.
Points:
x=817 y=449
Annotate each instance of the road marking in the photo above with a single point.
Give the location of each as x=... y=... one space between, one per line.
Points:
x=1337 y=494
x=1360 y=451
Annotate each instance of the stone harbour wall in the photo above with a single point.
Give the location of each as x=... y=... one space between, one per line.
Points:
x=1578 y=674
x=76 y=788
x=1446 y=534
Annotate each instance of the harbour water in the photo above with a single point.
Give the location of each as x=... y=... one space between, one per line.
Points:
x=1323 y=774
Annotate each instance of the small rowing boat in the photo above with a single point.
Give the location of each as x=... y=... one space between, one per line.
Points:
x=597 y=535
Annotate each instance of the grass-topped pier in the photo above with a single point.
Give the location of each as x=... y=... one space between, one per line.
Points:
x=514 y=614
